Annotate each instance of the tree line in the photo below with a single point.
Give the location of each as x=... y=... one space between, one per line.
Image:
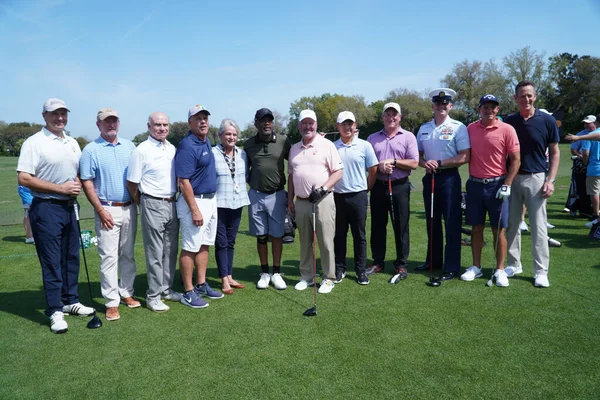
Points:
x=567 y=84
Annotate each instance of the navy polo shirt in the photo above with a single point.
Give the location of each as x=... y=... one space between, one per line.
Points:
x=194 y=160
x=535 y=134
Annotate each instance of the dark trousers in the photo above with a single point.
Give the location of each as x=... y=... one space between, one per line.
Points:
x=578 y=199
x=56 y=235
x=446 y=199
x=380 y=206
x=351 y=210
x=228 y=222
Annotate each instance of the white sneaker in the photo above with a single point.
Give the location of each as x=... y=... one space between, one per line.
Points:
x=566 y=210
x=326 y=286
x=523 y=226
x=591 y=223
x=303 y=284
x=58 y=323
x=471 y=273
x=554 y=242
x=157 y=305
x=541 y=281
x=172 y=296
x=501 y=278
x=512 y=271
x=30 y=240
x=278 y=282
x=264 y=280
x=549 y=225
x=78 y=309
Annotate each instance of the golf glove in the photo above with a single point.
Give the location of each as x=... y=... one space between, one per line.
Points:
x=503 y=193
x=317 y=194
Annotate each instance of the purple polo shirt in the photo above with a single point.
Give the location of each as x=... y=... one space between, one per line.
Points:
x=403 y=146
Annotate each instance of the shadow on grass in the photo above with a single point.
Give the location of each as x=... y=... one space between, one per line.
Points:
x=30 y=304
x=14 y=239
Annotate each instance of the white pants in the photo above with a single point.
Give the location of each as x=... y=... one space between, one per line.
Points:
x=115 y=248
x=527 y=189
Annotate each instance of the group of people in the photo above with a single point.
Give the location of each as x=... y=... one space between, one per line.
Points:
x=327 y=193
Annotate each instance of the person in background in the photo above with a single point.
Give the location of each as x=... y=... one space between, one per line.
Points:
x=26 y=199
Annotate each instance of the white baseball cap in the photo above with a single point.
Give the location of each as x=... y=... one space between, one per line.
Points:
x=307 y=114
x=344 y=116
x=54 y=104
x=196 y=109
x=393 y=105
x=589 y=119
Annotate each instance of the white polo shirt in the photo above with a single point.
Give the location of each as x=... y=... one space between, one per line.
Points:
x=50 y=158
x=151 y=166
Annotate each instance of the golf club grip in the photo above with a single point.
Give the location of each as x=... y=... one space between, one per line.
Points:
x=76 y=207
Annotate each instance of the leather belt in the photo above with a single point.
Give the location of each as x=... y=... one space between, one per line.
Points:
x=205 y=196
x=169 y=199
x=525 y=173
x=486 y=180
x=301 y=198
x=56 y=201
x=115 y=203
x=395 y=181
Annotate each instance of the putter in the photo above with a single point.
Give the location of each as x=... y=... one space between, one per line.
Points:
x=312 y=312
x=490 y=283
x=396 y=277
x=95 y=322
x=434 y=282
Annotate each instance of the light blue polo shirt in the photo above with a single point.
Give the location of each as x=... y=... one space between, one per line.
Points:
x=356 y=157
x=106 y=165
x=579 y=144
x=593 y=168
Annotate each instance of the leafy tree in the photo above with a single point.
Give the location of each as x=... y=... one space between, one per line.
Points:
x=177 y=132
x=416 y=108
x=575 y=87
x=82 y=142
x=10 y=135
x=140 y=138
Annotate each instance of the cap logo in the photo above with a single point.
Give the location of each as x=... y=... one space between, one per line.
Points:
x=442 y=94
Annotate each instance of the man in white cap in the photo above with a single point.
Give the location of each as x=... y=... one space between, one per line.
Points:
x=443 y=147
x=590 y=151
x=152 y=184
x=49 y=165
x=196 y=207
x=103 y=172
x=396 y=151
x=314 y=168
x=350 y=195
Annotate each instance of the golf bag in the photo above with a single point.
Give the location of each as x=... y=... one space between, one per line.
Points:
x=289 y=230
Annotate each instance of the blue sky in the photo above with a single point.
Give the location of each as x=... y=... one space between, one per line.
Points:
x=237 y=56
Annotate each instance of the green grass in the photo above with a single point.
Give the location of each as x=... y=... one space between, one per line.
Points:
x=462 y=340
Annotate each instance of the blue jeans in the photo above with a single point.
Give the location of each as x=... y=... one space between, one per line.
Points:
x=228 y=222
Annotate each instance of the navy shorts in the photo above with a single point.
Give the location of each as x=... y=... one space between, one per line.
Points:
x=481 y=199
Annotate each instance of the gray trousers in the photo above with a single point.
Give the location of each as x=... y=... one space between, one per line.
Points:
x=160 y=230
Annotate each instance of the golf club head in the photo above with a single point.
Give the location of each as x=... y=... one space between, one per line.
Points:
x=311 y=312
x=490 y=283
x=435 y=282
x=395 y=279
x=94 y=323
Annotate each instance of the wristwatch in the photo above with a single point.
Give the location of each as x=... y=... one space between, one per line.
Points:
x=439 y=162
x=551 y=180
x=324 y=188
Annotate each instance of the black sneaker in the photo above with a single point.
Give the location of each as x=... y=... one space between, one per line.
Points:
x=339 y=275
x=362 y=279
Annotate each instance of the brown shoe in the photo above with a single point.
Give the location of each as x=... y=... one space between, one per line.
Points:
x=131 y=302
x=112 y=313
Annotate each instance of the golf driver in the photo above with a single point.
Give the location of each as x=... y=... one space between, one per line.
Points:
x=435 y=282
x=396 y=277
x=491 y=281
x=312 y=312
x=95 y=322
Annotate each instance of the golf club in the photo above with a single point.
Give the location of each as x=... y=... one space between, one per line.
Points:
x=490 y=283
x=435 y=282
x=396 y=277
x=95 y=322
x=312 y=312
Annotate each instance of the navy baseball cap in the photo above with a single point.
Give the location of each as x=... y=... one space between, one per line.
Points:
x=488 y=98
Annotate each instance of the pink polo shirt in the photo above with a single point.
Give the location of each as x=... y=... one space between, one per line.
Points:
x=312 y=165
x=490 y=147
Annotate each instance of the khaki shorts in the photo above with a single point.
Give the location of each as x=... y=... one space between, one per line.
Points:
x=592 y=185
